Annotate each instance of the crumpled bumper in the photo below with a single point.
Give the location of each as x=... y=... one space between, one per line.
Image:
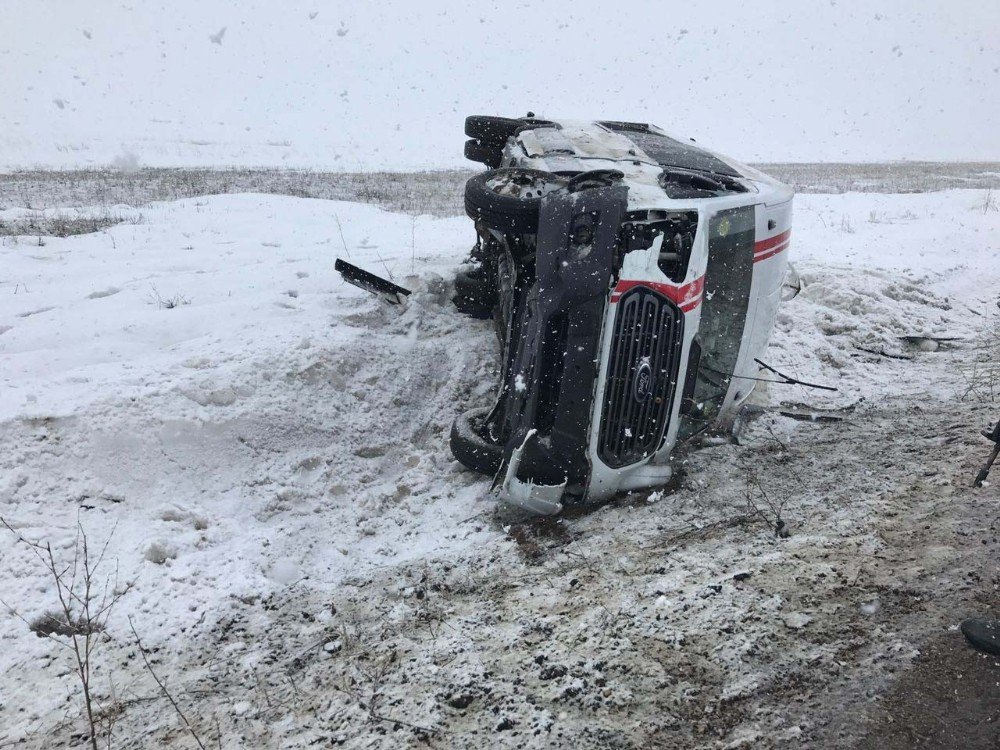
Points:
x=552 y=376
x=535 y=499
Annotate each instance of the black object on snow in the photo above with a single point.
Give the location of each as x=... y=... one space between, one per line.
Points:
x=786 y=380
x=362 y=279
x=993 y=435
x=983 y=635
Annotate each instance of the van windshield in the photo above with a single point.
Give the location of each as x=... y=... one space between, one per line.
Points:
x=668 y=152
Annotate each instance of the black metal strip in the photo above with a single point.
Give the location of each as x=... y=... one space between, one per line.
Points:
x=362 y=279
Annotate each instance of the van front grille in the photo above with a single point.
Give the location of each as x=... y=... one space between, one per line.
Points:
x=641 y=378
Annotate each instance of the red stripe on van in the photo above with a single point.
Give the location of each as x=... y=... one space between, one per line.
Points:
x=770 y=242
x=687 y=296
x=771 y=252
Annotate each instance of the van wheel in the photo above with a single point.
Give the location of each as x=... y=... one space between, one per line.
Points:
x=491 y=156
x=491 y=131
x=474 y=294
x=470 y=447
x=508 y=200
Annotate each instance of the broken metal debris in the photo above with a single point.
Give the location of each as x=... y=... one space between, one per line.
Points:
x=390 y=292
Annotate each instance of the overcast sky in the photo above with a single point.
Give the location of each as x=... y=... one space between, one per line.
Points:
x=374 y=85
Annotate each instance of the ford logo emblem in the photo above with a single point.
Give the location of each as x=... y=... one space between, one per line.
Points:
x=642 y=386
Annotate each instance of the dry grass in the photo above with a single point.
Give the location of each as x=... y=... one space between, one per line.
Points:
x=437 y=193
x=63 y=224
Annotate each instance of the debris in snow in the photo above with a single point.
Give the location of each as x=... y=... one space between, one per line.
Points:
x=461 y=700
x=61 y=103
x=389 y=291
x=788 y=380
x=56 y=623
x=216 y=38
x=342 y=31
x=931 y=343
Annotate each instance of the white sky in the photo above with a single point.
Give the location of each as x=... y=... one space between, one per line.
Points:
x=373 y=85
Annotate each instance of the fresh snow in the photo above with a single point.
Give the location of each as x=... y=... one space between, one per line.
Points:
x=265 y=446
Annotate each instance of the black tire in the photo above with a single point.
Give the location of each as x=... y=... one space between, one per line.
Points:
x=491 y=156
x=474 y=296
x=470 y=447
x=491 y=131
x=506 y=212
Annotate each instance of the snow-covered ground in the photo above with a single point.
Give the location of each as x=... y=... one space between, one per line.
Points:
x=265 y=447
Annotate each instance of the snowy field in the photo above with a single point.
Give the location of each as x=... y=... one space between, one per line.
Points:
x=437 y=192
x=263 y=448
